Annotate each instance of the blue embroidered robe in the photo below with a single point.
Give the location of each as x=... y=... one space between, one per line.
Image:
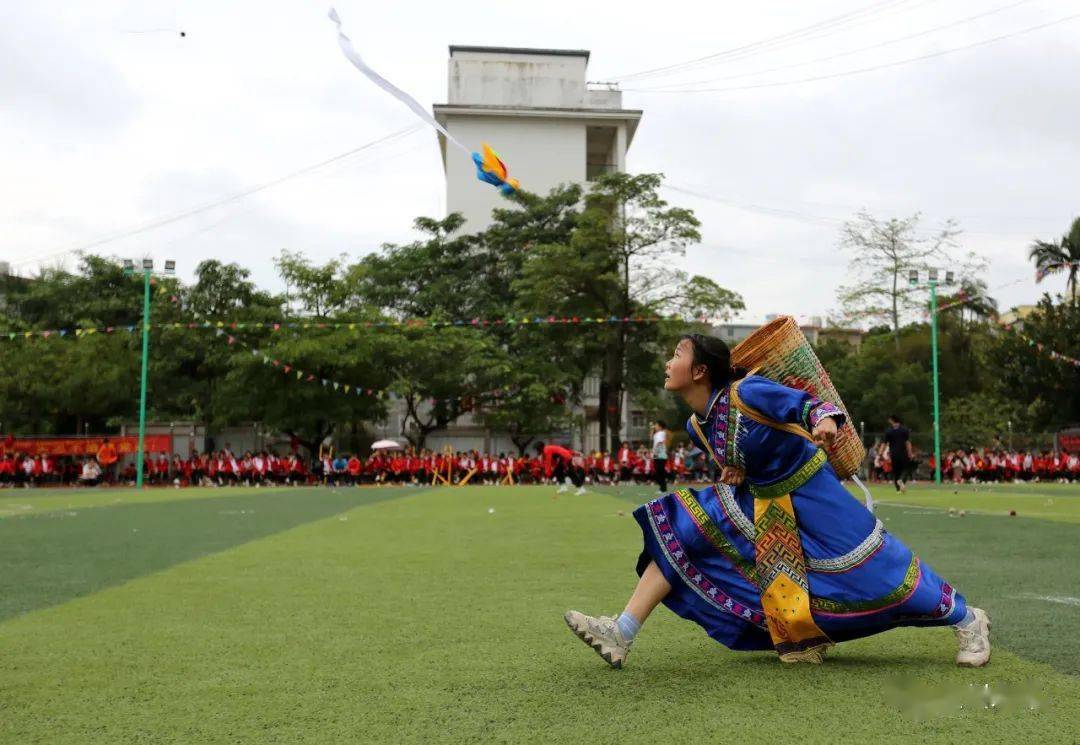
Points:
x=862 y=580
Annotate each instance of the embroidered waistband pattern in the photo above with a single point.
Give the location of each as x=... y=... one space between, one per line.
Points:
x=803 y=474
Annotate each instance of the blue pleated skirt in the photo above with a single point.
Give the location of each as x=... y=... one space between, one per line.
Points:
x=862 y=579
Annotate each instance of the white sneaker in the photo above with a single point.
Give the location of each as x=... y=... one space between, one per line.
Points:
x=974 y=641
x=561 y=489
x=580 y=491
x=602 y=634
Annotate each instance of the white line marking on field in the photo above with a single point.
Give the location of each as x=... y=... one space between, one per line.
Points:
x=1060 y=599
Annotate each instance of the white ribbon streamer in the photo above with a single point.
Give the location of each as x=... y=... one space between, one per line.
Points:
x=866 y=492
x=358 y=62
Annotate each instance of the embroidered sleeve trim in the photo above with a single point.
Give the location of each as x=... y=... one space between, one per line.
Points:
x=823 y=410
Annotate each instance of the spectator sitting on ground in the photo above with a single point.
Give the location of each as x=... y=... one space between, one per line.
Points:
x=91 y=473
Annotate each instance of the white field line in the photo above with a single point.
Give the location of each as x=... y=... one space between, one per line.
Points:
x=1059 y=599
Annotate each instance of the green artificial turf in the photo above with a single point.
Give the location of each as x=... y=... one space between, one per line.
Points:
x=378 y=615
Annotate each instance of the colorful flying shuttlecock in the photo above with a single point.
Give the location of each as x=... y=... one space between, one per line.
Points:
x=491 y=169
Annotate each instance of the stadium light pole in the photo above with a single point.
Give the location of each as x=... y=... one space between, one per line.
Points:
x=147 y=272
x=932 y=283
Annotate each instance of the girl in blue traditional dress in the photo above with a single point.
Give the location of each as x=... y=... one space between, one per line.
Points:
x=778 y=555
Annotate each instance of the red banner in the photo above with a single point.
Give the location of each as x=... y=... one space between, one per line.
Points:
x=84 y=445
x=1069 y=440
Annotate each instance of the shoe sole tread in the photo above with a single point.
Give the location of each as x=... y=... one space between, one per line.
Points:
x=597 y=647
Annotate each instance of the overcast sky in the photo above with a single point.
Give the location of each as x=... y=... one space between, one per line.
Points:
x=106 y=125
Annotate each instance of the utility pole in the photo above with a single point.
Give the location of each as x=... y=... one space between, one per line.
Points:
x=147 y=272
x=932 y=283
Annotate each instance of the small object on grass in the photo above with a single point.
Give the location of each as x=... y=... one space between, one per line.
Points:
x=1012 y=513
x=621 y=513
x=952 y=511
x=963 y=513
x=491 y=510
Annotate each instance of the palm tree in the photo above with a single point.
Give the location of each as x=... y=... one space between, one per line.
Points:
x=973 y=297
x=1049 y=256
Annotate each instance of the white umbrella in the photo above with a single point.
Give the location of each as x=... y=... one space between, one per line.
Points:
x=386 y=445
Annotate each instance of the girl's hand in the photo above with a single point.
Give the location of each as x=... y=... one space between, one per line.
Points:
x=825 y=433
x=732 y=476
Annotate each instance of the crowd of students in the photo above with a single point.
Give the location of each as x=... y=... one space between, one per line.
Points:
x=629 y=464
x=990 y=465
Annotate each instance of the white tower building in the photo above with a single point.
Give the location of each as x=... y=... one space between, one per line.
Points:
x=534 y=107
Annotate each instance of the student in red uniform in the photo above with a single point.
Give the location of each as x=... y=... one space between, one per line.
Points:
x=559 y=465
x=297 y=473
x=625 y=462
x=279 y=468
x=353 y=469
x=7 y=470
x=258 y=468
x=412 y=466
x=234 y=467
x=107 y=457
x=48 y=469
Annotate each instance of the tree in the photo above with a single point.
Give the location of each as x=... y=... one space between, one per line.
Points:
x=189 y=369
x=617 y=264
x=433 y=278
x=973 y=421
x=316 y=287
x=526 y=412
x=1050 y=257
x=883 y=252
x=971 y=298
x=1024 y=370
x=65 y=384
x=440 y=375
x=308 y=410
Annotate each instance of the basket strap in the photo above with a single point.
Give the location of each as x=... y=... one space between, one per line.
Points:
x=760 y=418
x=704 y=439
x=754 y=414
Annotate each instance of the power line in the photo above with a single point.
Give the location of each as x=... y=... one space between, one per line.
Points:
x=759 y=208
x=872 y=68
x=828 y=221
x=184 y=214
x=870 y=47
x=827 y=26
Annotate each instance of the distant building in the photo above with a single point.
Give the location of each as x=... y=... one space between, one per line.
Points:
x=535 y=108
x=1017 y=316
x=815 y=332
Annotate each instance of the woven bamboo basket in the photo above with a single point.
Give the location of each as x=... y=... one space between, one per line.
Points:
x=779 y=351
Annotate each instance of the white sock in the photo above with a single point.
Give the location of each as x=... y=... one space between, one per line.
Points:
x=628 y=626
x=966 y=621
